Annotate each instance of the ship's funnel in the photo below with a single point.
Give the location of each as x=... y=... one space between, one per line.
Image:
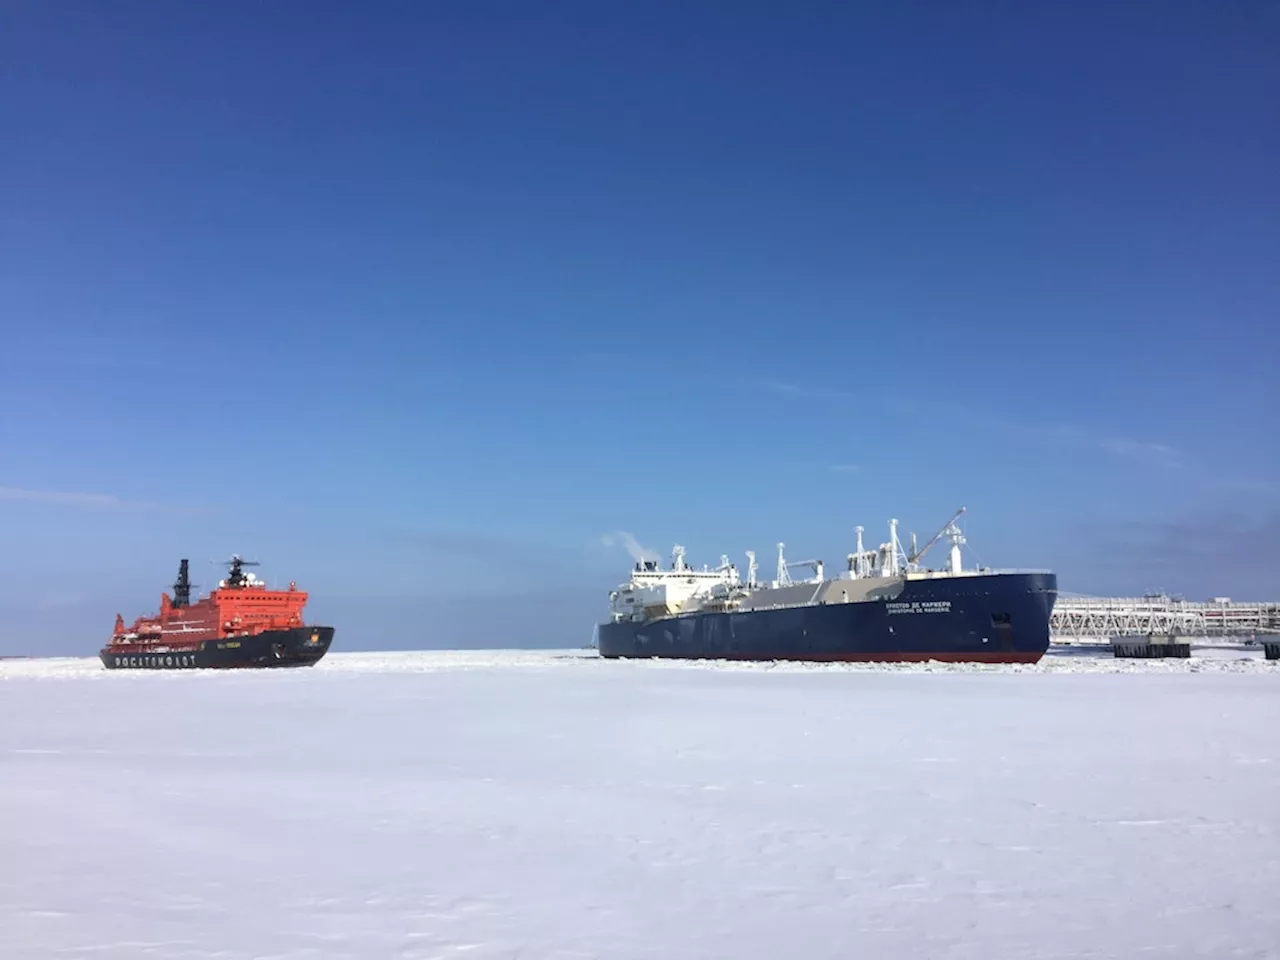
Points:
x=182 y=586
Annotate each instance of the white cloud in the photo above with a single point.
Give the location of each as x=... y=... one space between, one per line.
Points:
x=1143 y=450
x=778 y=387
x=1150 y=451
x=807 y=390
x=104 y=501
x=61 y=497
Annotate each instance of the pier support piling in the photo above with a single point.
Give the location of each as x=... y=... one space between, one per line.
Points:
x=1152 y=647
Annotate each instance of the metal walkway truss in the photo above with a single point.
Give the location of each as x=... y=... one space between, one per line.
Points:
x=1107 y=617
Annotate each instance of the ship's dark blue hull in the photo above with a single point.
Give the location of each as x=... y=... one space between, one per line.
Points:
x=989 y=618
x=291 y=647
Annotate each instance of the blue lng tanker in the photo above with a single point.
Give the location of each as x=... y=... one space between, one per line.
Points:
x=886 y=607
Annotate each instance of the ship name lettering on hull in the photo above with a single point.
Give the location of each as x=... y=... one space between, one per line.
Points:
x=919 y=606
x=157 y=661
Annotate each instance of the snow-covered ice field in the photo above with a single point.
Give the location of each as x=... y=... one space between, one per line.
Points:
x=552 y=805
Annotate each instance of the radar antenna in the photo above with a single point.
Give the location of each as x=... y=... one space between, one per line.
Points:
x=236 y=577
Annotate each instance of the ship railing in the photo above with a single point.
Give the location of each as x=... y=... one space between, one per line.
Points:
x=1014 y=570
x=943 y=572
x=978 y=572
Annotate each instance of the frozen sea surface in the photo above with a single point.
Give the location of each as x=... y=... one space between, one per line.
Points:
x=550 y=804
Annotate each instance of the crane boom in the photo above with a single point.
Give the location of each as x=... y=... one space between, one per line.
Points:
x=915 y=558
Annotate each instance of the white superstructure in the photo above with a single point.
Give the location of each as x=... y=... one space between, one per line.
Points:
x=655 y=592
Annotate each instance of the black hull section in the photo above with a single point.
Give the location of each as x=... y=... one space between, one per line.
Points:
x=989 y=618
x=297 y=647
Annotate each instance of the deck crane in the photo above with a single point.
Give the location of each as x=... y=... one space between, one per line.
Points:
x=784 y=568
x=949 y=529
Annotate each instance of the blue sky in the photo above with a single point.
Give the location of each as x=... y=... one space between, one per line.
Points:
x=418 y=302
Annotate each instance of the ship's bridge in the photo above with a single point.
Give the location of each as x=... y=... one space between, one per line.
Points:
x=653 y=591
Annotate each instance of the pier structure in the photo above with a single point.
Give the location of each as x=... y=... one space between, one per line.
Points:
x=1159 y=625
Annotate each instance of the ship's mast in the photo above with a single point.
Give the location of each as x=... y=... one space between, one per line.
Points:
x=957 y=540
x=236 y=576
x=677 y=558
x=784 y=575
